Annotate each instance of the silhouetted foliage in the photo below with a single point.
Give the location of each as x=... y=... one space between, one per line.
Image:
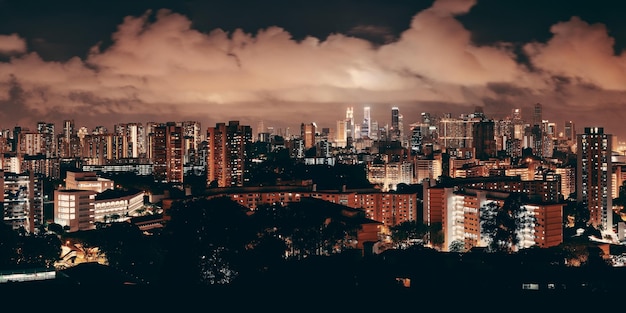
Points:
x=28 y=250
x=334 y=177
x=500 y=225
x=278 y=165
x=575 y=214
x=205 y=240
x=457 y=246
x=409 y=232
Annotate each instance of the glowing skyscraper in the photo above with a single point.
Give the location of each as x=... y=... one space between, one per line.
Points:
x=367 y=123
x=593 y=176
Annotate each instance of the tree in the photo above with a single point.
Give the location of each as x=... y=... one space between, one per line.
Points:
x=436 y=234
x=206 y=241
x=500 y=226
x=408 y=233
x=457 y=246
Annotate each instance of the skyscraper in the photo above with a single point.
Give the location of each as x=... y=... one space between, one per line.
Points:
x=228 y=154
x=341 y=137
x=537 y=115
x=22 y=200
x=394 y=131
x=367 y=123
x=350 y=123
x=593 y=176
x=168 y=153
x=307 y=133
x=484 y=141
x=569 y=131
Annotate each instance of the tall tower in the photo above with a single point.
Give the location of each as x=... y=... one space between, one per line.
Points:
x=394 y=131
x=341 y=139
x=228 y=154
x=569 y=131
x=68 y=129
x=593 y=176
x=367 y=123
x=168 y=153
x=537 y=115
x=350 y=123
x=307 y=133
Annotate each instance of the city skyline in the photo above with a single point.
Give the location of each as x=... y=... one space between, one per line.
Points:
x=286 y=63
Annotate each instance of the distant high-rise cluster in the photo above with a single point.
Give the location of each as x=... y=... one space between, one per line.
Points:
x=461 y=163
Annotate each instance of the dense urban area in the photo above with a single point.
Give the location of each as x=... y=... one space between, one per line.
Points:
x=518 y=204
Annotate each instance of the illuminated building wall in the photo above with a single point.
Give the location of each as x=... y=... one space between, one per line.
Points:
x=87 y=181
x=22 y=200
x=75 y=209
x=116 y=202
x=168 y=153
x=389 y=175
x=593 y=175
x=227 y=154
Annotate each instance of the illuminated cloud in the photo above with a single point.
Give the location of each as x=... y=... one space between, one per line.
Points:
x=158 y=66
x=583 y=52
x=12 y=44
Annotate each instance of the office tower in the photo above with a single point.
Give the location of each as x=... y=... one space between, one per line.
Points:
x=22 y=200
x=168 y=153
x=569 y=131
x=31 y=143
x=49 y=142
x=307 y=133
x=537 y=115
x=133 y=139
x=68 y=129
x=394 y=129
x=593 y=176
x=400 y=127
x=417 y=137
x=548 y=135
x=367 y=123
x=341 y=139
x=455 y=132
x=228 y=154
x=192 y=137
x=259 y=130
x=350 y=123
x=483 y=134
x=375 y=131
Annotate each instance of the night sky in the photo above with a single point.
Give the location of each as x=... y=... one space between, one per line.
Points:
x=289 y=62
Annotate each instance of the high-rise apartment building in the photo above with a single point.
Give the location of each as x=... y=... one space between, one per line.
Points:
x=367 y=123
x=350 y=123
x=133 y=139
x=168 y=153
x=22 y=200
x=341 y=137
x=49 y=142
x=228 y=154
x=569 y=130
x=593 y=176
x=394 y=130
x=484 y=141
x=307 y=134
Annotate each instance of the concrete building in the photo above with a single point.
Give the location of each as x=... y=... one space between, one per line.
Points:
x=22 y=200
x=87 y=181
x=593 y=176
x=228 y=156
x=120 y=203
x=75 y=209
